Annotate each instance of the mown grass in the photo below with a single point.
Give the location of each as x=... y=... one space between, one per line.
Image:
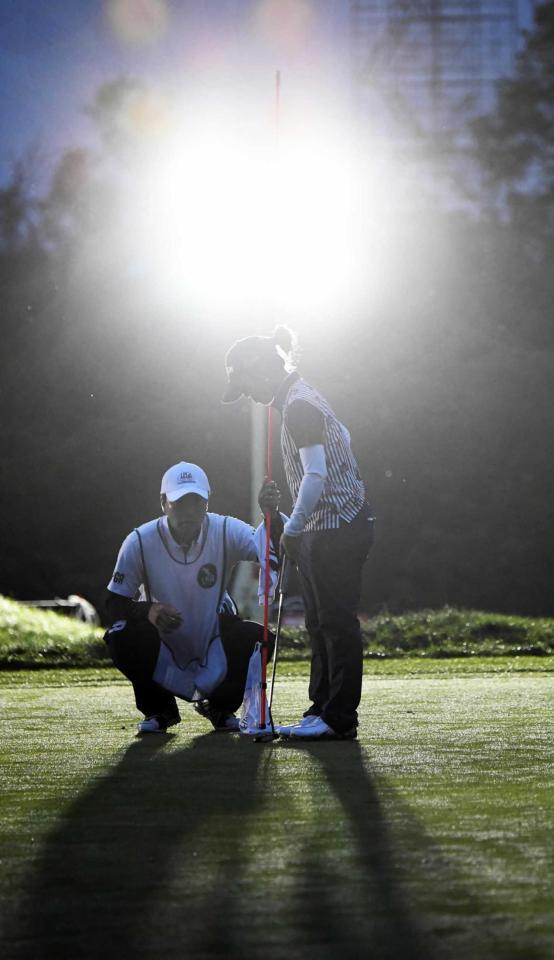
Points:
x=31 y=639
x=427 y=839
x=390 y=668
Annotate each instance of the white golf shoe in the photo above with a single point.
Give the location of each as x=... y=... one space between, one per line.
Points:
x=157 y=724
x=286 y=729
x=320 y=731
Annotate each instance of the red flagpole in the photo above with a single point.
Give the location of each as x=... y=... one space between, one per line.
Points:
x=269 y=475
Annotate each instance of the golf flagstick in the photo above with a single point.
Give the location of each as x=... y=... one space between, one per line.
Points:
x=269 y=476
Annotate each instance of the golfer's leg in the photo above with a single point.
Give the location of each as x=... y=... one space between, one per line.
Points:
x=134 y=650
x=318 y=690
x=337 y=567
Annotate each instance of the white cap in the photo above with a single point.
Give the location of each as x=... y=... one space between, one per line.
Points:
x=185 y=478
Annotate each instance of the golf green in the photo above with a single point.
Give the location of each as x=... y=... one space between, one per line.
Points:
x=429 y=837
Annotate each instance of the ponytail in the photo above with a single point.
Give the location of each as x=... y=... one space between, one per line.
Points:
x=286 y=343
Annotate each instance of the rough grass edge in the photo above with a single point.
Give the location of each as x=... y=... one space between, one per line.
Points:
x=33 y=639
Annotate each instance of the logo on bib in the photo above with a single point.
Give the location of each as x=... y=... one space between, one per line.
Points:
x=207 y=575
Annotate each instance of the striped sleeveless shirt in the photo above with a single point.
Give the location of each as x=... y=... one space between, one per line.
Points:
x=344 y=493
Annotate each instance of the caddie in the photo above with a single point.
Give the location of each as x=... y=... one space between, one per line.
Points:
x=174 y=628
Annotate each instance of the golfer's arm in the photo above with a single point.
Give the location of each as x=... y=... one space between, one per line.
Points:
x=124 y=608
x=311 y=488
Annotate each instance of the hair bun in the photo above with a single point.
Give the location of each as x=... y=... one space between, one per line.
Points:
x=284 y=338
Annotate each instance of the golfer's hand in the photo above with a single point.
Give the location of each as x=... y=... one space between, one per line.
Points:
x=290 y=547
x=164 y=617
x=269 y=497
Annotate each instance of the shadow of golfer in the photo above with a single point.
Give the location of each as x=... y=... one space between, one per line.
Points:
x=160 y=857
x=407 y=901
x=368 y=914
x=134 y=868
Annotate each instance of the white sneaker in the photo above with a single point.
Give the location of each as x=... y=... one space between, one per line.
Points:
x=157 y=724
x=320 y=731
x=285 y=729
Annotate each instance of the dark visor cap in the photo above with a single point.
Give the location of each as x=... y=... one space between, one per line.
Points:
x=251 y=353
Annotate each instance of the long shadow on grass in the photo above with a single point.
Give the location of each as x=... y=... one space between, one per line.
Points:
x=354 y=904
x=358 y=905
x=148 y=861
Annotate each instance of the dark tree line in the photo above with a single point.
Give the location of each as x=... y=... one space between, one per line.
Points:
x=448 y=394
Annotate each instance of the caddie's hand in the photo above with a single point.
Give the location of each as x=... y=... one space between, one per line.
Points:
x=164 y=617
x=290 y=547
x=269 y=497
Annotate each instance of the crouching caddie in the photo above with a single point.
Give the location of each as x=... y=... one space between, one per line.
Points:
x=174 y=629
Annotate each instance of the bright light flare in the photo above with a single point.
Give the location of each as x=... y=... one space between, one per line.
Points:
x=227 y=221
x=137 y=22
x=285 y=24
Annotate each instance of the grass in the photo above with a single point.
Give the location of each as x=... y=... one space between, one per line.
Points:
x=402 y=668
x=31 y=639
x=458 y=633
x=426 y=839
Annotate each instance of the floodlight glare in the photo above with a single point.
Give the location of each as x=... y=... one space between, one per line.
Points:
x=226 y=220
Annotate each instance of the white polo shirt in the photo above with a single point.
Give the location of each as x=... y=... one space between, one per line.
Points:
x=193 y=581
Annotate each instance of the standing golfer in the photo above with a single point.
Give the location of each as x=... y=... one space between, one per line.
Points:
x=329 y=533
x=174 y=628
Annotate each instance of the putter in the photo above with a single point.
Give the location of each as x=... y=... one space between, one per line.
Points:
x=272 y=734
x=281 y=590
x=266 y=732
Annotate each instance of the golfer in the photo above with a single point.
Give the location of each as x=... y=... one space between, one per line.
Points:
x=329 y=532
x=174 y=628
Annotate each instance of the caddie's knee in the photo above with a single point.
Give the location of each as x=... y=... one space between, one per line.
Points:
x=241 y=636
x=134 y=647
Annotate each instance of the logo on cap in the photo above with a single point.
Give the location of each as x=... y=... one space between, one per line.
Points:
x=185 y=478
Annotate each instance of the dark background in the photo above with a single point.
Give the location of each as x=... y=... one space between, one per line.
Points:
x=444 y=380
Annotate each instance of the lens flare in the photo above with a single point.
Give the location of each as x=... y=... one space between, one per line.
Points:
x=285 y=24
x=147 y=115
x=138 y=22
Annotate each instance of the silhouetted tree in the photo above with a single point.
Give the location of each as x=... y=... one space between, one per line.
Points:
x=515 y=143
x=514 y=150
x=18 y=207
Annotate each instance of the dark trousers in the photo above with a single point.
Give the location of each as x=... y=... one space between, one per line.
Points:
x=134 y=650
x=330 y=568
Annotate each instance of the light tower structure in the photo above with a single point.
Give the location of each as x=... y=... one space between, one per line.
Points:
x=424 y=67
